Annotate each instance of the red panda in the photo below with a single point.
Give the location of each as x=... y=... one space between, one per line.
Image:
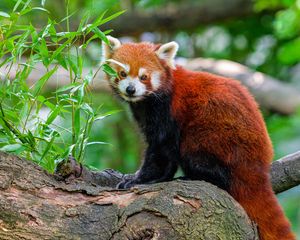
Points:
x=208 y=125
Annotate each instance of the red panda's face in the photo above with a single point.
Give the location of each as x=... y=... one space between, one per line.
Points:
x=139 y=67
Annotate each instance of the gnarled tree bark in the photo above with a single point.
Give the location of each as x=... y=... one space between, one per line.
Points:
x=36 y=205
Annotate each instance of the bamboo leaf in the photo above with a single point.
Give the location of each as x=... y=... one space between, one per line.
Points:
x=4 y=14
x=77 y=122
x=106 y=115
x=100 y=35
x=12 y=147
x=53 y=114
x=67 y=87
x=109 y=70
x=105 y=20
x=94 y=143
x=40 y=84
x=17 y=5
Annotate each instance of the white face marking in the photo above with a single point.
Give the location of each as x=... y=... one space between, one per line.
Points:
x=140 y=88
x=155 y=80
x=142 y=71
x=126 y=67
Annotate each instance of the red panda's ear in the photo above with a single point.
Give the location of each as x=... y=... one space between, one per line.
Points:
x=107 y=50
x=168 y=52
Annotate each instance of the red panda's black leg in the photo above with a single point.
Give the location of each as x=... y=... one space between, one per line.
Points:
x=162 y=135
x=207 y=167
x=160 y=164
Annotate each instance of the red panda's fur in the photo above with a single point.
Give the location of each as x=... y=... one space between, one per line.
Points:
x=215 y=116
x=250 y=161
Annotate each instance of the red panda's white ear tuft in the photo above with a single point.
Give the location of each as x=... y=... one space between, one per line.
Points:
x=168 y=52
x=107 y=50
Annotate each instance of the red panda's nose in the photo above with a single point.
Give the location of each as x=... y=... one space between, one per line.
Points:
x=130 y=90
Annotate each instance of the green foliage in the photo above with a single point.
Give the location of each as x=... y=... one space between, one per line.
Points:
x=289 y=53
x=286 y=27
x=285 y=132
x=23 y=129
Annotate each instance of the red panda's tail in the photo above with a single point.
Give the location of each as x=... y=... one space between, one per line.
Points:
x=261 y=205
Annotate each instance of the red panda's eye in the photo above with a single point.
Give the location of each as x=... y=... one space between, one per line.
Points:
x=143 y=77
x=123 y=74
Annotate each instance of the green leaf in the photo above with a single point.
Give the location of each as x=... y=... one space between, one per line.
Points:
x=83 y=22
x=287 y=23
x=106 y=114
x=17 y=5
x=61 y=59
x=25 y=6
x=40 y=84
x=62 y=47
x=98 y=20
x=52 y=30
x=87 y=108
x=89 y=77
x=105 y=20
x=73 y=64
x=68 y=151
x=53 y=114
x=67 y=87
x=80 y=93
x=100 y=35
x=109 y=70
x=88 y=41
x=40 y=9
x=67 y=17
x=49 y=145
x=94 y=143
x=77 y=122
x=12 y=147
x=43 y=51
x=43 y=100
x=4 y=14
x=34 y=35
x=289 y=53
x=30 y=139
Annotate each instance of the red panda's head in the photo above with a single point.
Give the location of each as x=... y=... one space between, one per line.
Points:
x=143 y=68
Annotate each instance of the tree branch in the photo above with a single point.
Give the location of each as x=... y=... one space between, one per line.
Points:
x=182 y=16
x=34 y=205
x=37 y=205
x=285 y=172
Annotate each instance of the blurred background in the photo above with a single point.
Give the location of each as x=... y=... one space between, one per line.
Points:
x=263 y=35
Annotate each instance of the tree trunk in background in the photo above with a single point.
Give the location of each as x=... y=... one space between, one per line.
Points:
x=33 y=205
x=181 y=16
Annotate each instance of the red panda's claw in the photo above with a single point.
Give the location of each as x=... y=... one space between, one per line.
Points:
x=126 y=184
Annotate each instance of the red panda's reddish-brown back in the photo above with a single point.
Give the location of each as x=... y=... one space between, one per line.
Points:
x=218 y=113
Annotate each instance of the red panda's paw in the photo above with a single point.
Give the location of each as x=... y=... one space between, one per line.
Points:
x=127 y=183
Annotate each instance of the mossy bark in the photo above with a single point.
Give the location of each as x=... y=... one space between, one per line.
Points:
x=35 y=205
